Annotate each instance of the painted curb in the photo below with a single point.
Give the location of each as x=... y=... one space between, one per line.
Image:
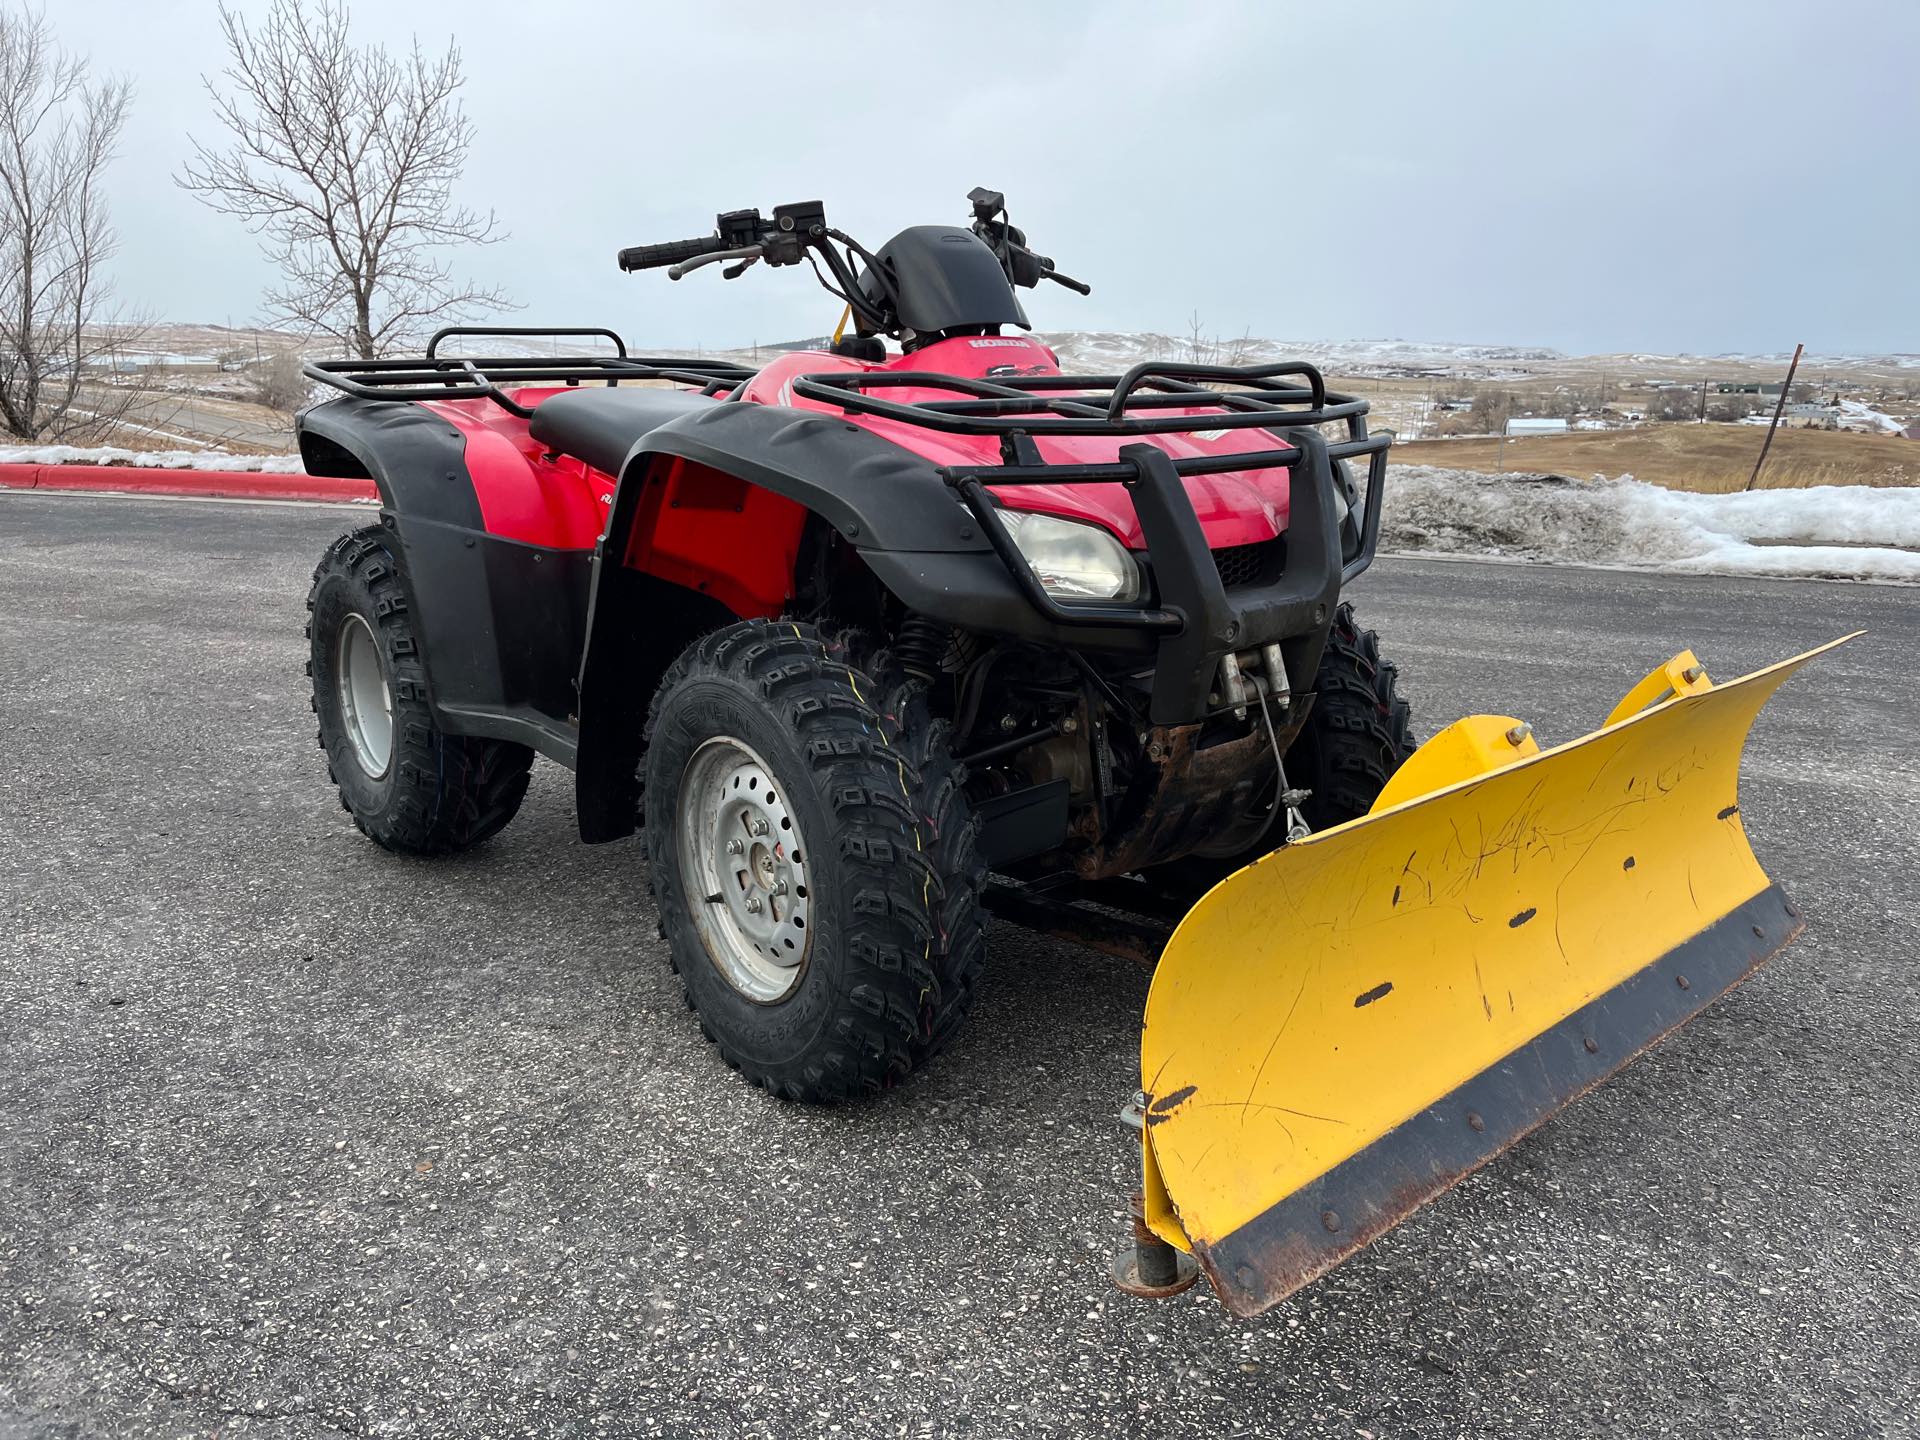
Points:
x=213 y=484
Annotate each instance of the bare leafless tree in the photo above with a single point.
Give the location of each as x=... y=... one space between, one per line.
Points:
x=279 y=383
x=58 y=130
x=1199 y=348
x=1239 y=351
x=1733 y=407
x=1492 y=407
x=1674 y=402
x=343 y=158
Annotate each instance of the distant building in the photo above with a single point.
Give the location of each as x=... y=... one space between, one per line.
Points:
x=1536 y=427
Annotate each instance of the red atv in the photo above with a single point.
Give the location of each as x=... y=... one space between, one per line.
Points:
x=846 y=633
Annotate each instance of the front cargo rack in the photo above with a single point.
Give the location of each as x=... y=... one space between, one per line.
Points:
x=434 y=376
x=1290 y=398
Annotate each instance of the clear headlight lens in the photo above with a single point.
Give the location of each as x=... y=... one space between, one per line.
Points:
x=1073 y=561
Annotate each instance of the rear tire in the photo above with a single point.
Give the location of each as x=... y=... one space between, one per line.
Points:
x=846 y=806
x=409 y=786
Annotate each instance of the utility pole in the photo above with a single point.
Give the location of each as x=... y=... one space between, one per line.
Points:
x=1703 y=400
x=1777 y=411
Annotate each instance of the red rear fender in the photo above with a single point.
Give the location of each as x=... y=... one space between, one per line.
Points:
x=524 y=494
x=696 y=526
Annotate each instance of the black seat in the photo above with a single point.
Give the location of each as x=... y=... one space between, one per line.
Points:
x=601 y=426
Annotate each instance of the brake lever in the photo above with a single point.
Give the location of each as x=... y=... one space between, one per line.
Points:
x=687 y=267
x=1067 y=280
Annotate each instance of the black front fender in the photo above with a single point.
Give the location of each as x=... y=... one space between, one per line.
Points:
x=878 y=496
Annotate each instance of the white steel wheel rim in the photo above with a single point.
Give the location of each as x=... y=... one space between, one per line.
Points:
x=366 y=701
x=744 y=862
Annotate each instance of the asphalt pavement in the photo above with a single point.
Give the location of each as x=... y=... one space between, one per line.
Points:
x=301 y=1139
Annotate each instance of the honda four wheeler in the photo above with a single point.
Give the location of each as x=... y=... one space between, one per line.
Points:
x=848 y=634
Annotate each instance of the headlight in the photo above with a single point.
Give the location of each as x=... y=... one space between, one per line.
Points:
x=1073 y=561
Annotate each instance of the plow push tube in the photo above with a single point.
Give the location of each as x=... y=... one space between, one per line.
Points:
x=1344 y=1029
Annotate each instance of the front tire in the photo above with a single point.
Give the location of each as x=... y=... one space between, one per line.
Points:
x=1358 y=733
x=409 y=786
x=1360 y=730
x=812 y=859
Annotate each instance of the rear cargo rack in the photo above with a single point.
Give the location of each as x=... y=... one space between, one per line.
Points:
x=434 y=376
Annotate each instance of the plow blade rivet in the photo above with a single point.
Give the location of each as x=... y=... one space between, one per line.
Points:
x=1758 y=933
x=1793 y=910
x=1683 y=982
x=1330 y=1219
x=1593 y=1045
x=1474 y=1121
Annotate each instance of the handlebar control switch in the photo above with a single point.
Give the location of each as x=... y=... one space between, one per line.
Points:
x=739 y=228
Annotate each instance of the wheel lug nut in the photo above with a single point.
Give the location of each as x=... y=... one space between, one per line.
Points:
x=753 y=904
x=759 y=826
x=734 y=847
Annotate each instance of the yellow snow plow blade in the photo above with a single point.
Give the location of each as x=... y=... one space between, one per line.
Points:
x=1345 y=1028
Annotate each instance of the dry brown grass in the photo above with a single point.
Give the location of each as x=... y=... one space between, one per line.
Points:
x=1709 y=458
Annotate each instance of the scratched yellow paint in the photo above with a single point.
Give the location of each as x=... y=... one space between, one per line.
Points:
x=1318 y=998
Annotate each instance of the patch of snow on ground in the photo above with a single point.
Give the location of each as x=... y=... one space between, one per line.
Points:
x=1842 y=532
x=148 y=459
x=1107 y=351
x=1855 y=412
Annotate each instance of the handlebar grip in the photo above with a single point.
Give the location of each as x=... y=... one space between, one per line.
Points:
x=1069 y=282
x=672 y=252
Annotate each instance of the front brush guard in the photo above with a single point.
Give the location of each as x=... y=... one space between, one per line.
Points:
x=1197 y=621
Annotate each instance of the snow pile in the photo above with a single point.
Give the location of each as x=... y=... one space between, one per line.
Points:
x=1843 y=532
x=148 y=459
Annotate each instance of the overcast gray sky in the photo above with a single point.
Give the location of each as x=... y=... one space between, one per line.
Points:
x=1597 y=177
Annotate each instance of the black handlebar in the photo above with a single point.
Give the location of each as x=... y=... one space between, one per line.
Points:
x=672 y=252
x=799 y=232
